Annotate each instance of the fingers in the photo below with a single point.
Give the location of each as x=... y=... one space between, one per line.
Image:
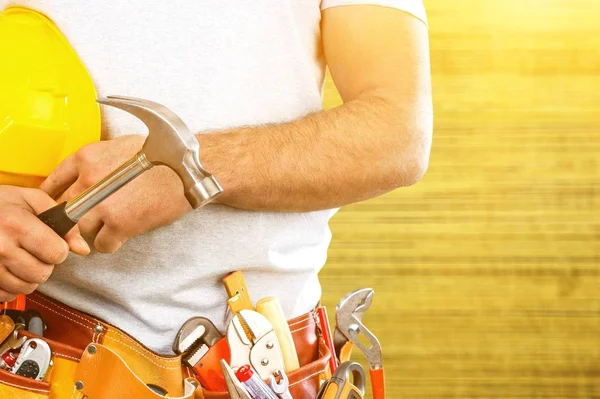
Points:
x=40 y=241
x=108 y=240
x=13 y=284
x=76 y=242
x=61 y=178
x=6 y=296
x=27 y=267
x=37 y=200
x=90 y=225
x=21 y=273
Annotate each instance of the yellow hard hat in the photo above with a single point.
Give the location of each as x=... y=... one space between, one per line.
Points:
x=48 y=107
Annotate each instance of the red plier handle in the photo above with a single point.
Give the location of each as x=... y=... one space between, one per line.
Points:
x=378 y=383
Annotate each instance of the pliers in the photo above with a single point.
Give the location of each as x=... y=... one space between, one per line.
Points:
x=349 y=327
x=253 y=341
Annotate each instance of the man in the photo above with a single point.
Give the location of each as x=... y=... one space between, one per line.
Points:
x=248 y=77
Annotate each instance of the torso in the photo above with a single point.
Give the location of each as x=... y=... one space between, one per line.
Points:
x=217 y=65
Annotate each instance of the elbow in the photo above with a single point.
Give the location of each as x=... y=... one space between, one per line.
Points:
x=410 y=160
x=414 y=171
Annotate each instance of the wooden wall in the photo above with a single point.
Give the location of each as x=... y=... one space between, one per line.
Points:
x=487 y=272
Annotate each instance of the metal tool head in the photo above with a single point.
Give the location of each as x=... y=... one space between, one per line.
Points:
x=171 y=143
x=195 y=332
x=343 y=372
x=349 y=326
x=253 y=341
x=12 y=343
x=235 y=388
x=282 y=386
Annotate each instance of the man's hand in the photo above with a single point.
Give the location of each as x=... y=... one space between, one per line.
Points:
x=152 y=200
x=28 y=248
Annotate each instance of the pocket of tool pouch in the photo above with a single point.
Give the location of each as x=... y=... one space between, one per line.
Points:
x=12 y=385
x=304 y=382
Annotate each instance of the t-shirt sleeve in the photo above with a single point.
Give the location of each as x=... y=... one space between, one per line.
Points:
x=414 y=7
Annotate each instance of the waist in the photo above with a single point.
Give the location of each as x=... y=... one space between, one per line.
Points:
x=71 y=331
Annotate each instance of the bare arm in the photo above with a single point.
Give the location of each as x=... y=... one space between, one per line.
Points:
x=378 y=140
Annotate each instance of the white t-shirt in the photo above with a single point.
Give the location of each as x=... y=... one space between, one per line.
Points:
x=217 y=64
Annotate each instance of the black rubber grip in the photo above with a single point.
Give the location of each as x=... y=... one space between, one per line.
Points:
x=56 y=218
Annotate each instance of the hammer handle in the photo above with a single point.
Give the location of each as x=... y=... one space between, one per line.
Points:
x=57 y=219
x=63 y=217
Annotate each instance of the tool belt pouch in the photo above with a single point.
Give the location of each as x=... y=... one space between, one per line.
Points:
x=92 y=359
x=313 y=356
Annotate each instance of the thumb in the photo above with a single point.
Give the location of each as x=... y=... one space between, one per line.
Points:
x=76 y=242
x=38 y=201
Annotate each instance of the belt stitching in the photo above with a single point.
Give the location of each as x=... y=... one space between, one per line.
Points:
x=116 y=331
x=87 y=320
x=303 y=328
x=62 y=315
x=134 y=342
x=145 y=355
x=300 y=321
x=131 y=341
x=59 y=354
x=26 y=388
x=307 y=378
x=114 y=339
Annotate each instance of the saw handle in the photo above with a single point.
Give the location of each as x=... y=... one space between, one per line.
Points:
x=377 y=383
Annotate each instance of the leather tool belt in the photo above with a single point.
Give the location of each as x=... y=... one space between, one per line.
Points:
x=93 y=359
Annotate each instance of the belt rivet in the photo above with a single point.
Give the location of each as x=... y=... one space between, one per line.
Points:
x=265 y=362
x=92 y=349
x=98 y=329
x=270 y=345
x=79 y=385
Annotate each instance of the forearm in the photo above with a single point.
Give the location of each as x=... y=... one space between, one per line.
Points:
x=359 y=150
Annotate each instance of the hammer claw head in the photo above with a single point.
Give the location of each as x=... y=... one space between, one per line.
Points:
x=171 y=143
x=154 y=115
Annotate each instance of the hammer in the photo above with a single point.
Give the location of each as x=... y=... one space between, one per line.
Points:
x=169 y=143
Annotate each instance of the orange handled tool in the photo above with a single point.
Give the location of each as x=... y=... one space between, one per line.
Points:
x=15 y=307
x=377 y=383
x=340 y=386
x=207 y=365
x=349 y=327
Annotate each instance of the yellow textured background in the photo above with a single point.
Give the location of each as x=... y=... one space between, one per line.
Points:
x=487 y=272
